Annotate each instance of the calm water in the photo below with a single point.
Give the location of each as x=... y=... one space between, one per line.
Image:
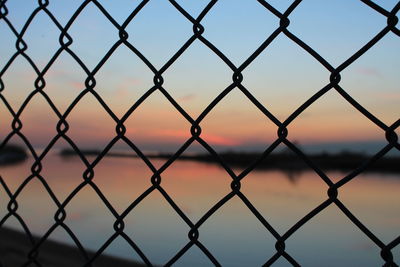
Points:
x=232 y=234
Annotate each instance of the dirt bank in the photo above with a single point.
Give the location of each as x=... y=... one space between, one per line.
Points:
x=14 y=247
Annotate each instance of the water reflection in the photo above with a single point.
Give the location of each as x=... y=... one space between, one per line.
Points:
x=233 y=234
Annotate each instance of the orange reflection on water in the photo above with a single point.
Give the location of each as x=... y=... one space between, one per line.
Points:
x=282 y=199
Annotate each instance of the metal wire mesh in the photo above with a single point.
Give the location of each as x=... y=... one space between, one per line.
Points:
x=155 y=182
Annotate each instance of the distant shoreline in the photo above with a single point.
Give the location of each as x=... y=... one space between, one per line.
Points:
x=12 y=154
x=14 y=246
x=286 y=161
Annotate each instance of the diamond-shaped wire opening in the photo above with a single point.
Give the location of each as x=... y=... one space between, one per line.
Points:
x=365 y=23
x=159 y=41
x=36 y=207
x=94 y=133
x=62 y=169
x=372 y=197
x=85 y=210
x=64 y=81
x=39 y=122
x=37 y=37
x=132 y=180
x=284 y=196
x=207 y=76
x=348 y=239
x=121 y=85
x=251 y=246
x=230 y=22
x=190 y=190
x=267 y=77
x=334 y=120
x=90 y=27
x=256 y=130
x=373 y=81
x=156 y=228
x=157 y=127
x=18 y=82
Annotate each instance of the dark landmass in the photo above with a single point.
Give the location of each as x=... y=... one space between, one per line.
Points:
x=12 y=154
x=70 y=153
x=15 y=245
x=287 y=161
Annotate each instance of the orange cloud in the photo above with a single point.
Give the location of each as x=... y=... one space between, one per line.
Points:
x=219 y=140
x=174 y=133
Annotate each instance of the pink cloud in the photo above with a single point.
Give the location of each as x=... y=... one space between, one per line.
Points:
x=220 y=140
x=127 y=83
x=77 y=85
x=369 y=71
x=57 y=73
x=124 y=88
x=176 y=134
x=187 y=97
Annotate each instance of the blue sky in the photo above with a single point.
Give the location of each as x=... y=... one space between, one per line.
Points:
x=282 y=77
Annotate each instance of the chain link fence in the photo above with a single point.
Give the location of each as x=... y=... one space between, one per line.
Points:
x=155 y=181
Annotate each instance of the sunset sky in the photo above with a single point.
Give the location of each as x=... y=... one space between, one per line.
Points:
x=282 y=78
